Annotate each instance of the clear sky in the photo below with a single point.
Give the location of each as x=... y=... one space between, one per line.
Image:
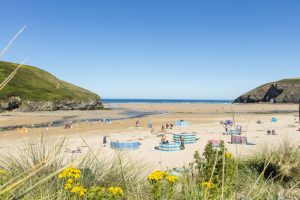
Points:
x=157 y=48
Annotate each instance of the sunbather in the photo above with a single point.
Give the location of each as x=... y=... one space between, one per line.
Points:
x=164 y=139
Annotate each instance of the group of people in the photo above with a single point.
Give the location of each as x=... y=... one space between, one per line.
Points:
x=164 y=128
x=271 y=132
x=167 y=127
x=138 y=124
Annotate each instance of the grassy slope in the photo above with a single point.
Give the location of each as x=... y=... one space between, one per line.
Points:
x=32 y=83
x=290 y=81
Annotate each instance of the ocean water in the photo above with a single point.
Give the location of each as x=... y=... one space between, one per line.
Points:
x=184 y=101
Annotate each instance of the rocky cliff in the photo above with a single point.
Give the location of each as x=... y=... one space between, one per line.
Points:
x=283 y=91
x=33 y=89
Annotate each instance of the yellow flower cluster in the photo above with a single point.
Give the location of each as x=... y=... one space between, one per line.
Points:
x=228 y=155
x=207 y=184
x=70 y=172
x=116 y=191
x=69 y=184
x=157 y=176
x=172 y=179
x=80 y=190
x=2 y=171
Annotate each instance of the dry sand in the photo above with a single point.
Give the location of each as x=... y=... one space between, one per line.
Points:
x=205 y=120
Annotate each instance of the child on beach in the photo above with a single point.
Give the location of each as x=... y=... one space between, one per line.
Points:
x=162 y=128
x=137 y=124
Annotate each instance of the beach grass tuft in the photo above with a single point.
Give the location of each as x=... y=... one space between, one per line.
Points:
x=43 y=170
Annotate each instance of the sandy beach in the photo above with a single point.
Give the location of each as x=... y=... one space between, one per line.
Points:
x=204 y=118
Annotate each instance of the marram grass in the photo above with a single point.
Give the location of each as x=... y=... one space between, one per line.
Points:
x=44 y=171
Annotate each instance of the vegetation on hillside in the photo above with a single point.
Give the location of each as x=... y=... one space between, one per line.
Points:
x=34 y=84
x=291 y=80
x=44 y=171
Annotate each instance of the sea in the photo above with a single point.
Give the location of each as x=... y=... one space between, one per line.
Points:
x=160 y=101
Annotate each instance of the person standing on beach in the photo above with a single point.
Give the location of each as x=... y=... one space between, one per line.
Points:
x=171 y=126
x=181 y=140
x=162 y=128
x=150 y=124
x=104 y=140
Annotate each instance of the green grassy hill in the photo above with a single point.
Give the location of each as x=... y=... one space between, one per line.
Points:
x=34 y=84
x=282 y=91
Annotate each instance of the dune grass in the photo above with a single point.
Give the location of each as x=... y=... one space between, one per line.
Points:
x=44 y=171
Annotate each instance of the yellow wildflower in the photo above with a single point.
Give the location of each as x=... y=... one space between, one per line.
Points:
x=68 y=186
x=228 y=155
x=70 y=181
x=2 y=171
x=70 y=172
x=80 y=190
x=172 y=179
x=157 y=176
x=207 y=184
x=116 y=191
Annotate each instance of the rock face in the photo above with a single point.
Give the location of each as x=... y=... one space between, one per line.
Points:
x=283 y=91
x=33 y=89
x=16 y=104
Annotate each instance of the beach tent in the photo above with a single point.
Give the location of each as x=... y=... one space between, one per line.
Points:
x=274 y=119
x=188 y=138
x=125 y=145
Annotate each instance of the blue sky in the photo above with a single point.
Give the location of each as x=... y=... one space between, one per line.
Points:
x=157 y=48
